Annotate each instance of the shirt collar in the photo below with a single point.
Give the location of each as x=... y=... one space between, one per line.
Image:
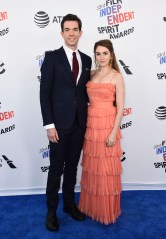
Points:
x=68 y=50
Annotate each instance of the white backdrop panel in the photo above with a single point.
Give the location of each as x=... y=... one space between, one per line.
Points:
x=24 y=147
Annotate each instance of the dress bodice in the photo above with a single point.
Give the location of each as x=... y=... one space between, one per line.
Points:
x=101 y=94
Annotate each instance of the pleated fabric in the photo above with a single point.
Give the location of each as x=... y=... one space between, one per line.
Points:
x=101 y=165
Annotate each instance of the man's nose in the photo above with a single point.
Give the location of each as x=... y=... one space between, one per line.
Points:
x=71 y=32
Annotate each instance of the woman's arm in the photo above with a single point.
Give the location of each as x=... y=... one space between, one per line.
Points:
x=120 y=95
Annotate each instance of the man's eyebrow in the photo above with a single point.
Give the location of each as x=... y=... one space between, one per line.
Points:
x=67 y=28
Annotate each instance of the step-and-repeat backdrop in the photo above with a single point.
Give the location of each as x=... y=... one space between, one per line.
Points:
x=28 y=29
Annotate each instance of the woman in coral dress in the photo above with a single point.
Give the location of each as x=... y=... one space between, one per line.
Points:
x=101 y=165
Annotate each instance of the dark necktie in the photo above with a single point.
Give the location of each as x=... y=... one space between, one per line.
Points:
x=75 y=67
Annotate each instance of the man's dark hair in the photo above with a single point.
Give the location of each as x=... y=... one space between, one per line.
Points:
x=71 y=17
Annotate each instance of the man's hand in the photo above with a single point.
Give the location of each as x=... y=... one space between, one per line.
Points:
x=52 y=135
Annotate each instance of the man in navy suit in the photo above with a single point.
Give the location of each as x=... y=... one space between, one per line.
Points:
x=64 y=102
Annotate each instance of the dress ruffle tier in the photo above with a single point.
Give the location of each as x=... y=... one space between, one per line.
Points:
x=101 y=165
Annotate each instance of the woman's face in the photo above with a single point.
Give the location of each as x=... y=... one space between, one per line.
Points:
x=102 y=56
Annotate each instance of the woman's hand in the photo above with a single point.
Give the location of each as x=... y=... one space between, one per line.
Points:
x=111 y=141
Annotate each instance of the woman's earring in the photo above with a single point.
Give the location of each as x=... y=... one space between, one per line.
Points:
x=97 y=65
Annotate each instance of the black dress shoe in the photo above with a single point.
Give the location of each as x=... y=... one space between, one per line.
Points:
x=74 y=212
x=52 y=221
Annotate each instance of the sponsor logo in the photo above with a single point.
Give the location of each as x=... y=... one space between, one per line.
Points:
x=39 y=78
x=2 y=70
x=160 y=165
x=45 y=169
x=123 y=158
x=9 y=162
x=4 y=31
x=7 y=129
x=6 y=115
x=159 y=145
x=42 y=19
x=45 y=152
x=160 y=113
x=126 y=125
x=3 y=16
x=127 y=111
x=160 y=150
x=162 y=57
x=161 y=76
x=112 y=11
x=125 y=68
x=57 y=19
x=39 y=59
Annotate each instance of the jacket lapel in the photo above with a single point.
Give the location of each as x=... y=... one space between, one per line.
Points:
x=83 y=68
x=65 y=61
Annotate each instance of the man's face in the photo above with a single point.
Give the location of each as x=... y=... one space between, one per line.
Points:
x=71 y=34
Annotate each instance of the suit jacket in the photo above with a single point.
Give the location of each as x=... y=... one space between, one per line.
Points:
x=60 y=97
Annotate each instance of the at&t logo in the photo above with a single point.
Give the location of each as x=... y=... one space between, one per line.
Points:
x=160 y=113
x=41 y=19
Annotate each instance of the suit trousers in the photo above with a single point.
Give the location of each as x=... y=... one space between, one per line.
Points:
x=64 y=158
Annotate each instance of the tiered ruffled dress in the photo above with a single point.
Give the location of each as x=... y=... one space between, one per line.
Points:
x=101 y=165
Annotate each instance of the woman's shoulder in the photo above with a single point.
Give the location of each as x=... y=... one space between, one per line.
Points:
x=118 y=75
x=117 y=78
